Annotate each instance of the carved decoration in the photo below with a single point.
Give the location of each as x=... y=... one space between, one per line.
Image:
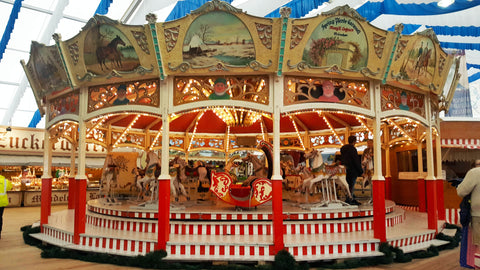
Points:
x=285 y=12
x=402 y=44
x=306 y=90
x=216 y=5
x=265 y=34
x=141 y=39
x=298 y=31
x=137 y=93
x=345 y=10
x=74 y=51
x=441 y=64
x=379 y=44
x=247 y=88
x=171 y=37
x=398 y=99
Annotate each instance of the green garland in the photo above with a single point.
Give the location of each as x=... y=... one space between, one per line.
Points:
x=283 y=260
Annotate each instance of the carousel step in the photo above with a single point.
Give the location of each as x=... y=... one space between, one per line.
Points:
x=423 y=245
x=212 y=227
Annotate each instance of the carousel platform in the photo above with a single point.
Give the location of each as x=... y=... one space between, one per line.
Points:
x=215 y=231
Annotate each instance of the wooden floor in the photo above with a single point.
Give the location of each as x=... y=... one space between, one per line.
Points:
x=14 y=254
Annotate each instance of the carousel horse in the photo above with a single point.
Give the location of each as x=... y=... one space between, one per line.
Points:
x=109 y=177
x=176 y=180
x=367 y=165
x=152 y=171
x=324 y=173
x=316 y=174
x=259 y=168
x=229 y=165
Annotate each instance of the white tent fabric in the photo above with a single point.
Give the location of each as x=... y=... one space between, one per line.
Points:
x=38 y=20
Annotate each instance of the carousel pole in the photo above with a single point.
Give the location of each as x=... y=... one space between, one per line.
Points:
x=277 y=206
x=430 y=182
x=164 y=178
x=81 y=178
x=46 y=193
x=440 y=180
x=422 y=203
x=388 y=171
x=378 y=181
x=71 y=178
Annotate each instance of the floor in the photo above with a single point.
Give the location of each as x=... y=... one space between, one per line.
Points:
x=17 y=255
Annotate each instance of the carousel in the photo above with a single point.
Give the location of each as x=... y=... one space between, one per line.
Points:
x=222 y=131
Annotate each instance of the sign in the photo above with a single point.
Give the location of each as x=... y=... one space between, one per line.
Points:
x=32 y=140
x=34 y=198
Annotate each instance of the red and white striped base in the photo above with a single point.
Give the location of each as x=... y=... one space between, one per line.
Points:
x=218 y=232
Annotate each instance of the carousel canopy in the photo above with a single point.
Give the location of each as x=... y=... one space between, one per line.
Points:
x=456 y=26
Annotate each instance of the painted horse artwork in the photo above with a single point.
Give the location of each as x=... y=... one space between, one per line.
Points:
x=110 y=52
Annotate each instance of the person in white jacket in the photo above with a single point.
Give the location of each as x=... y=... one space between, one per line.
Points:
x=471 y=185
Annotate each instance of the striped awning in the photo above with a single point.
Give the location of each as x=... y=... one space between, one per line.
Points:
x=461 y=143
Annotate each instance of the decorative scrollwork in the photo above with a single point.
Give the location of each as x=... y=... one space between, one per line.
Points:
x=367 y=72
x=265 y=34
x=334 y=69
x=73 y=49
x=216 y=5
x=171 y=37
x=300 y=66
x=255 y=65
x=345 y=10
x=402 y=44
x=441 y=64
x=141 y=39
x=87 y=76
x=298 y=31
x=182 y=67
x=285 y=12
x=379 y=44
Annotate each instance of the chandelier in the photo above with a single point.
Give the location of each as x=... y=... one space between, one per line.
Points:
x=237 y=117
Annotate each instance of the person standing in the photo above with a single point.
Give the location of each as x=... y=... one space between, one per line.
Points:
x=5 y=185
x=351 y=160
x=471 y=186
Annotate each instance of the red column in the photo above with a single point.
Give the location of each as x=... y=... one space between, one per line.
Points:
x=277 y=209
x=431 y=187
x=163 y=213
x=422 y=203
x=440 y=200
x=379 y=225
x=388 y=188
x=71 y=192
x=80 y=209
x=46 y=201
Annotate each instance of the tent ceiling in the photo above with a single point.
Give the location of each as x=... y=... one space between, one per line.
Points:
x=457 y=26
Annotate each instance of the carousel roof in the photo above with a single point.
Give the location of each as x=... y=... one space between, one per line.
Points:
x=209 y=122
x=456 y=26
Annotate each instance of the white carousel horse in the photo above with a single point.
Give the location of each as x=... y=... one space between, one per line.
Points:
x=153 y=164
x=335 y=174
x=317 y=165
x=109 y=177
x=176 y=186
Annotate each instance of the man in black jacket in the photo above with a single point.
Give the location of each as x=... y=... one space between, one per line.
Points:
x=351 y=161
